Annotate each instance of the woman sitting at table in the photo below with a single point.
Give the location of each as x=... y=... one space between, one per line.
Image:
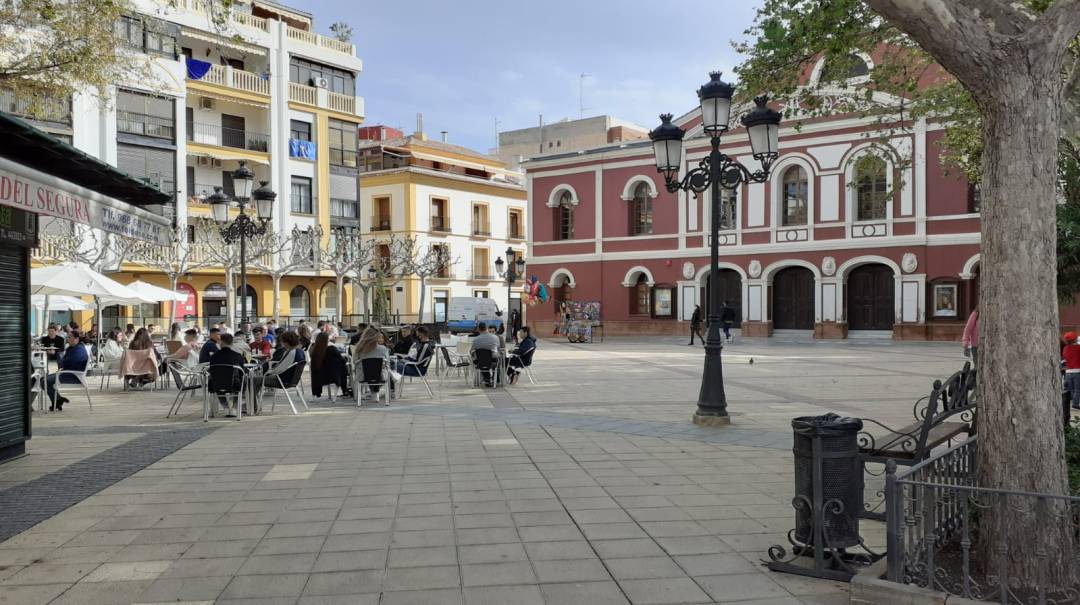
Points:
x=304 y=332
x=370 y=346
x=522 y=355
x=112 y=350
x=328 y=366
x=416 y=364
x=141 y=342
x=403 y=342
x=284 y=362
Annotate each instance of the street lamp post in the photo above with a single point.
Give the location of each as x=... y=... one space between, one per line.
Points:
x=515 y=268
x=243 y=227
x=715 y=172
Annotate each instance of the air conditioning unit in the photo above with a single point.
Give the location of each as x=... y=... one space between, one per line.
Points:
x=202 y=160
x=320 y=82
x=206 y=103
x=215 y=163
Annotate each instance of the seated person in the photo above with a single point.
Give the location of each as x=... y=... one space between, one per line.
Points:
x=226 y=356
x=328 y=366
x=498 y=332
x=424 y=351
x=141 y=342
x=260 y=344
x=270 y=334
x=370 y=346
x=188 y=353
x=403 y=342
x=55 y=340
x=210 y=346
x=112 y=350
x=74 y=359
x=522 y=354
x=488 y=341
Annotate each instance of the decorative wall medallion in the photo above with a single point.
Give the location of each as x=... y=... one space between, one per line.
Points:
x=755 y=269
x=688 y=270
x=828 y=265
x=909 y=262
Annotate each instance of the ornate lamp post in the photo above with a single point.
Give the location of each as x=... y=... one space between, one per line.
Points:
x=515 y=268
x=715 y=172
x=243 y=227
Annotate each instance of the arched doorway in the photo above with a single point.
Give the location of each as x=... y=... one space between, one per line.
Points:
x=730 y=291
x=299 y=302
x=563 y=291
x=328 y=301
x=870 y=301
x=214 y=303
x=793 y=299
x=252 y=303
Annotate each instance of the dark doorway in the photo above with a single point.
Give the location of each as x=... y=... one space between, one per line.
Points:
x=870 y=302
x=793 y=299
x=730 y=290
x=232 y=131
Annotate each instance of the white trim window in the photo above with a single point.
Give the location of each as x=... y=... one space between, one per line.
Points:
x=795 y=200
x=871 y=189
x=641 y=210
x=564 y=216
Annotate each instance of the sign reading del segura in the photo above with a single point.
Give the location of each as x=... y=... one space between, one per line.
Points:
x=64 y=200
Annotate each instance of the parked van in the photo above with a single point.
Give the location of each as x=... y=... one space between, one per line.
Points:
x=467 y=311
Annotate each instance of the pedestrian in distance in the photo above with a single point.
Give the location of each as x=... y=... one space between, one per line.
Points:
x=1071 y=355
x=727 y=319
x=695 y=326
x=971 y=338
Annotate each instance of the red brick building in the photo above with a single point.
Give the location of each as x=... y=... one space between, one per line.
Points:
x=842 y=240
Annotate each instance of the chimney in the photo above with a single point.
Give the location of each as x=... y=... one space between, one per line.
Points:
x=419 y=134
x=444 y=134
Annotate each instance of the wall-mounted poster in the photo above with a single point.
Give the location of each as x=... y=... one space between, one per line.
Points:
x=663 y=301
x=945 y=300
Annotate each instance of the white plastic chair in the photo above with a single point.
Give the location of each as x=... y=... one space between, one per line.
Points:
x=82 y=381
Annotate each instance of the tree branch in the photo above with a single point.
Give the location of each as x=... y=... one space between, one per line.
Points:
x=1056 y=27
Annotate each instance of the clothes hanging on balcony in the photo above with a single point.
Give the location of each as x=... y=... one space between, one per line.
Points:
x=196 y=69
x=301 y=149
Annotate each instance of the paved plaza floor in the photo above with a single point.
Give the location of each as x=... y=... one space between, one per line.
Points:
x=590 y=487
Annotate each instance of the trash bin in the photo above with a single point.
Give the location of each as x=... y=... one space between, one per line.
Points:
x=832 y=473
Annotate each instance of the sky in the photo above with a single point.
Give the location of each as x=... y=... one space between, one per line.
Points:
x=465 y=64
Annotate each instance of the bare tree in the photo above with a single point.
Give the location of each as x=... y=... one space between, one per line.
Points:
x=1010 y=59
x=343 y=253
x=432 y=260
x=286 y=255
x=218 y=252
x=342 y=31
x=102 y=251
x=175 y=259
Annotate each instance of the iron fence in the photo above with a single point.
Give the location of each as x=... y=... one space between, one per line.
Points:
x=947 y=534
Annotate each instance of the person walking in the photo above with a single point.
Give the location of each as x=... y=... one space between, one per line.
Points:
x=971 y=338
x=1071 y=355
x=695 y=326
x=727 y=319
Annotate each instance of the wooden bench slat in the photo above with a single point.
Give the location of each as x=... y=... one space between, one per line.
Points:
x=892 y=443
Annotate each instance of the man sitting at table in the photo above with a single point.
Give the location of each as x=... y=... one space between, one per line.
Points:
x=226 y=356
x=489 y=341
x=189 y=352
x=420 y=359
x=260 y=342
x=53 y=339
x=75 y=360
x=211 y=346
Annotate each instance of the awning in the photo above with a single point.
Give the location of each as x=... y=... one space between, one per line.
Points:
x=222 y=41
x=223 y=154
x=202 y=92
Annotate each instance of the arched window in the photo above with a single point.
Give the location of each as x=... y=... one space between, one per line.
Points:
x=641 y=211
x=729 y=217
x=564 y=217
x=299 y=302
x=844 y=68
x=794 y=202
x=871 y=189
x=639 y=302
x=328 y=299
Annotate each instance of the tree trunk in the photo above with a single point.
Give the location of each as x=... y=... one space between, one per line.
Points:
x=420 y=309
x=339 y=284
x=1021 y=446
x=174 y=281
x=277 y=296
x=230 y=299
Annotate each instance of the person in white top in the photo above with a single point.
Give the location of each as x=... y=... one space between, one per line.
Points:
x=111 y=349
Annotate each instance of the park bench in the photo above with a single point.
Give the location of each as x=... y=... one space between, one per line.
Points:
x=947 y=412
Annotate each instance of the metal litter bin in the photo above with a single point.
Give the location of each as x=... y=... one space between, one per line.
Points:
x=828 y=480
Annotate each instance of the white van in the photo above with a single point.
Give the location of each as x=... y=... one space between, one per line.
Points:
x=467 y=311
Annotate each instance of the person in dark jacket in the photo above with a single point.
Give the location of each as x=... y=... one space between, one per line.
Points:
x=403 y=342
x=54 y=340
x=74 y=359
x=424 y=352
x=226 y=356
x=328 y=366
x=210 y=346
x=727 y=319
x=515 y=324
x=695 y=326
x=521 y=355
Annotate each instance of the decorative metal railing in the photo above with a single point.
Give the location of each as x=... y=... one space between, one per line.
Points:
x=220 y=136
x=308 y=95
x=320 y=40
x=944 y=533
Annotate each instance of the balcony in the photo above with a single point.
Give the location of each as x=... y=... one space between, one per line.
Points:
x=38 y=107
x=320 y=97
x=198 y=192
x=203 y=7
x=213 y=134
x=380 y=223
x=314 y=39
x=440 y=224
x=146 y=125
x=516 y=233
x=483 y=275
x=445 y=274
x=344 y=208
x=481 y=228
x=238 y=79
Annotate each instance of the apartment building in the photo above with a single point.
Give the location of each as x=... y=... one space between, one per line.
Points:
x=444 y=195
x=564 y=136
x=255 y=84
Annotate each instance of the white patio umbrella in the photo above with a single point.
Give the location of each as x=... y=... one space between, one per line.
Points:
x=155 y=293
x=58 y=302
x=78 y=279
